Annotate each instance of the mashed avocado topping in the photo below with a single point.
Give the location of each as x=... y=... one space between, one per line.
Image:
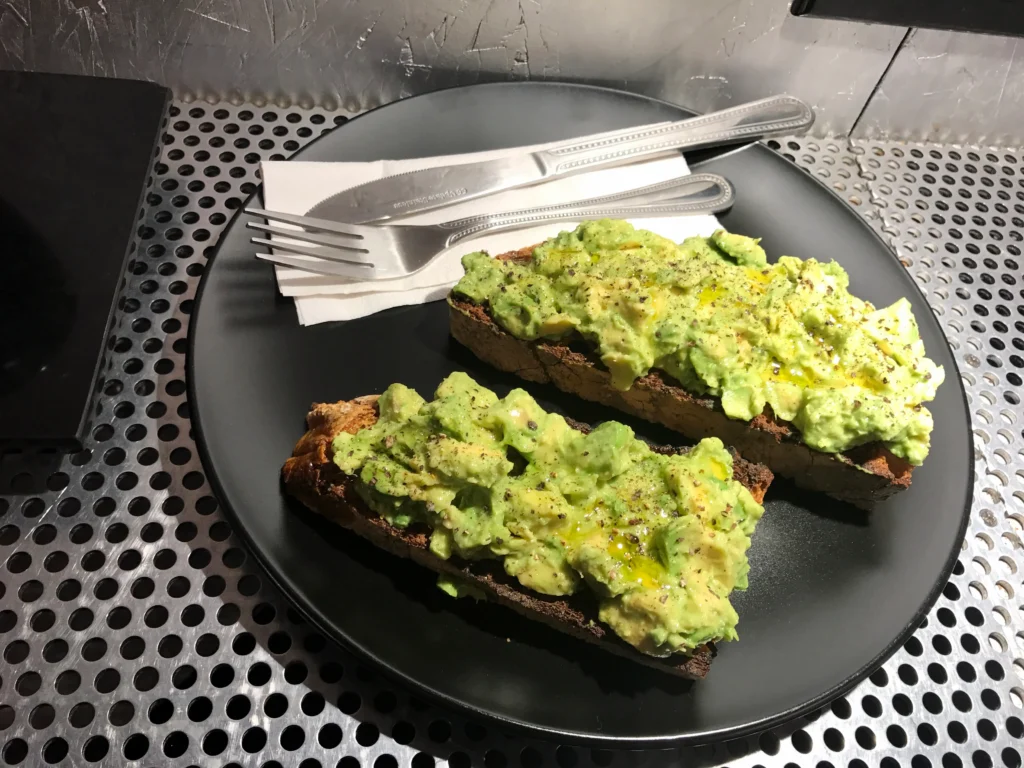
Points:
x=661 y=540
x=715 y=315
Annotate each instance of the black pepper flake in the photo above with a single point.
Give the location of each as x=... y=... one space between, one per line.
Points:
x=531 y=424
x=540 y=486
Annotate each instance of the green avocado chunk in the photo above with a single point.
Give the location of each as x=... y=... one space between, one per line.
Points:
x=453 y=586
x=716 y=316
x=660 y=539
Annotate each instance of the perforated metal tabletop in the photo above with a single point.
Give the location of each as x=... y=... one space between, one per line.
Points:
x=135 y=629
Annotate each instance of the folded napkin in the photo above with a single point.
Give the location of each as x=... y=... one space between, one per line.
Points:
x=295 y=187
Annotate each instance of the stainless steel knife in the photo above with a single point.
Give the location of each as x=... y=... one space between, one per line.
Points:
x=423 y=190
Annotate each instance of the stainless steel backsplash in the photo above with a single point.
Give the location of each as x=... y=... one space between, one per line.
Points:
x=355 y=54
x=951 y=87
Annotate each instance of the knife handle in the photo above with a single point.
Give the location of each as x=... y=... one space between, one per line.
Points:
x=688 y=195
x=746 y=122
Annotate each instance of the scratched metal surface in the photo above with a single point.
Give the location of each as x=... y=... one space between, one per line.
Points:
x=951 y=87
x=135 y=629
x=358 y=54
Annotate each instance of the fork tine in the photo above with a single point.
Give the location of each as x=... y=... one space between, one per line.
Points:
x=309 y=222
x=317 y=267
x=317 y=253
x=307 y=237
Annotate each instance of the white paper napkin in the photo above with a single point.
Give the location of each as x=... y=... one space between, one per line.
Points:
x=295 y=187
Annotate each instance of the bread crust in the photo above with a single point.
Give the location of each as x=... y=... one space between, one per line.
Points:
x=863 y=476
x=311 y=476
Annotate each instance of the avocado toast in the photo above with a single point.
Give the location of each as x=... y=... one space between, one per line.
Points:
x=593 y=532
x=707 y=338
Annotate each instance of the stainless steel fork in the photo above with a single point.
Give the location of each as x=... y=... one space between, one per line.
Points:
x=369 y=252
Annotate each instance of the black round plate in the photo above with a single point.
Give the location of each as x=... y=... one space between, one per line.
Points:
x=833 y=591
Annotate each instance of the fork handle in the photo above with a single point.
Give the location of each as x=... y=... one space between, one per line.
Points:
x=689 y=195
x=747 y=122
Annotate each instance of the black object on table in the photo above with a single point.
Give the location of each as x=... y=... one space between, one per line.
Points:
x=998 y=17
x=75 y=153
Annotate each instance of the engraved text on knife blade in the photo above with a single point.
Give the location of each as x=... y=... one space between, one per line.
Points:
x=448 y=194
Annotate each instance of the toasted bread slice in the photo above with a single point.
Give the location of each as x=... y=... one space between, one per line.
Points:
x=863 y=476
x=311 y=476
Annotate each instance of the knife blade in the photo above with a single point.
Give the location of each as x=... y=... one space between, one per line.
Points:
x=414 y=191
x=430 y=188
